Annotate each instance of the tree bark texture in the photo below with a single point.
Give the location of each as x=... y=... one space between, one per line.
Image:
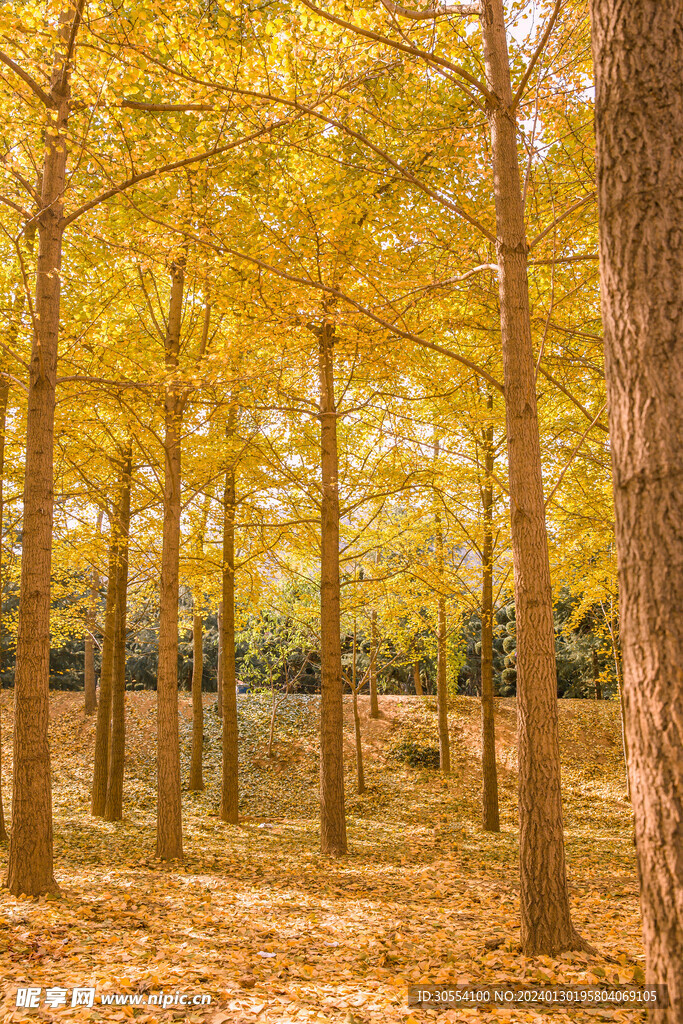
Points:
x=332 y=814
x=30 y=866
x=4 y=399
x=417 y=681
x=196 y=780
x=113 y=808
x=489 y=802
x=546 y=926
x=169 y=806
x=638 y=52
x=229 y=811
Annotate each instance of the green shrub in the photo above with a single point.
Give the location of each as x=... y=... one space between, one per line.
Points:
x=414 y=754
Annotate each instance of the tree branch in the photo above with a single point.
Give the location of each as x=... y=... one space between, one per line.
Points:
x=25 y=77
x=460 y=10
x=567 y=213
x=539 y=50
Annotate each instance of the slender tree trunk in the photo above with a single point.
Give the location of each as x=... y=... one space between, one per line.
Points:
x=360 y=773
x=219 y=670
x=441 y=655
x=332 y=815
x=546 y=926
x=596 y=676
x=374 y=703
x=196 y=780
x=489 y=802
x=416 y=679
x=169 y=806
x=638 y=51
x=89 y=682
x=102 y=725
x=113 y=808
x=4 y=398
x=229 y=811
x=30 y=866
x=620 y=690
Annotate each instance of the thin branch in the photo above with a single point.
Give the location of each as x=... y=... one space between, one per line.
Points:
x=534 y=60
x=567 y=213
x=575 y=451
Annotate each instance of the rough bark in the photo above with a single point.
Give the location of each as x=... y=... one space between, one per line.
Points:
x=89 y=681
x=638 y=51
x=332 y=815
x=489 y=801
x=102 y=724
x=169 y=807
x=417 y=681
x=229 y=810
x=546 y=925
x=30 y=866
x=113 y=808
x=374 y=703
x=196 y=780
x=4 y=398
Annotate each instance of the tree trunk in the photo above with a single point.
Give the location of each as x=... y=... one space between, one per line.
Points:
x=30 y=866
x=196 y=780
x=4 y=398
x=113 y=808
x=169 y=806
x=638 y=51
x=219 y=669
x=360 y=773
x=89 y=682
x=596 y=676
x=102 y=725
x=546 y=926
x=441 y=656
x=332 y=815
x=374 y=703
x=416 y=678
x=489 y=802
x=229 y=811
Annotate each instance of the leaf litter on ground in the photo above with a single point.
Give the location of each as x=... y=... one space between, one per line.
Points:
x=274 y=932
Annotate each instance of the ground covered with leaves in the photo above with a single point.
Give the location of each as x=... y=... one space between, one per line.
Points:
x=271 y=930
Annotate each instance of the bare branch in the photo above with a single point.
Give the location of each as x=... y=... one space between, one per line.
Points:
x=575 y=452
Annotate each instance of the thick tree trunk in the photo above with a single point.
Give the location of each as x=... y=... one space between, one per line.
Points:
x=89 y=681
x=113 y=808
x=489 y=802
x=102 y=725
x=169 y=806
x=196 y=780
x=546 y=925
x=219 y=670
x=4 y=398
x=332 y=815
x=30 y=867
x=638 y=50
x=374 y=704
x=441 y=654
x=229 y=811
x=417 y=681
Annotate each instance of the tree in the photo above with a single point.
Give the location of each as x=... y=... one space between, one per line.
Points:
x=638 y=51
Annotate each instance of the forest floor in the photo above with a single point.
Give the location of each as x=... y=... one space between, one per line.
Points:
x=257 y=919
